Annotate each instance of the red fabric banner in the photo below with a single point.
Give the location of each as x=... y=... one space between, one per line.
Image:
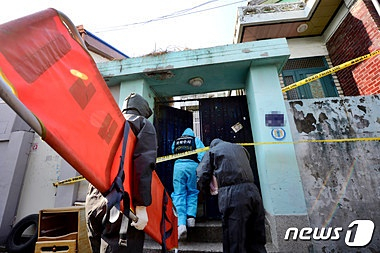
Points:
x=56 y=78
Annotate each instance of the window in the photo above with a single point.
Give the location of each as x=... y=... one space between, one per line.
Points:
x=298 y=69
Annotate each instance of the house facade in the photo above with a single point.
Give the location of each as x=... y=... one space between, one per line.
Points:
x=321 y=35
x=299 y=191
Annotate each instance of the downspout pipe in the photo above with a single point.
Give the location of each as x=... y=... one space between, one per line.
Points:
x=7 y=95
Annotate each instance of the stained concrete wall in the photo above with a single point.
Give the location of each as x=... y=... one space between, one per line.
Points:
x=340 y=179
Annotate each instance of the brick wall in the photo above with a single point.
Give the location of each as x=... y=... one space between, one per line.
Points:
x=358 y=35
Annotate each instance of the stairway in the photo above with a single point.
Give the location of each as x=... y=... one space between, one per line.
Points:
x=206 y=236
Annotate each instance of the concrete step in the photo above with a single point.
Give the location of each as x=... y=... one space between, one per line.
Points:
x=206 y=231
x=206 y=236
x=185 y=247
x=151 y=246
x=196 y=247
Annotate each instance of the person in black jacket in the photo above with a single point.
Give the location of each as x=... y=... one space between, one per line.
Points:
x=105 y=239
x=239 y=200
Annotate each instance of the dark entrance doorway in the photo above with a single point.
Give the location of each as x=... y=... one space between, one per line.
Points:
x=170 y=124
x=226 y=118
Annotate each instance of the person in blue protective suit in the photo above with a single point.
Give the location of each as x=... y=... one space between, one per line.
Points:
x=185 y=194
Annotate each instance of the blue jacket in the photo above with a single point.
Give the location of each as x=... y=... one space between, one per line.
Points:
x=198 y=144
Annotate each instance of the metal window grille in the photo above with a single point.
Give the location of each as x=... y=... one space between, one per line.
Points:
x=304 y=63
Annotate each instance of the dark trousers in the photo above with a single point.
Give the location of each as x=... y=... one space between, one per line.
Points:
x=244 y=225
x=106 y=239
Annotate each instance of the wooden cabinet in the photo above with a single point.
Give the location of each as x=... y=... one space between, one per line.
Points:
x=62 y=230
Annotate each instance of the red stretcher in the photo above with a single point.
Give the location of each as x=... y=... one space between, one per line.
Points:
x=49 y=78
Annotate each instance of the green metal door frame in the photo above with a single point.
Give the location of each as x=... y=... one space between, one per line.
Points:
x=305 y=91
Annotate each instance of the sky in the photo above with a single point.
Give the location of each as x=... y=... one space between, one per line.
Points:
x=141 y=27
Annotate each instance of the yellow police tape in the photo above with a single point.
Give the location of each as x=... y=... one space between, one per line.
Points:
x=71 y=180
x=329 y=71
x=176 y=156
x=287 y=88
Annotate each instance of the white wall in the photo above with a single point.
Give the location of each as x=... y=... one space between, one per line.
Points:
x=307 y=47
x=42 y=171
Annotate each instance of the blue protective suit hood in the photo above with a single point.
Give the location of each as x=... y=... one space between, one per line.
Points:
x=189 y=132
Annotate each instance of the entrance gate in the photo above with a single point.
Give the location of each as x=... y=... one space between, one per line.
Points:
x=170 y=124
x=226 y=118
